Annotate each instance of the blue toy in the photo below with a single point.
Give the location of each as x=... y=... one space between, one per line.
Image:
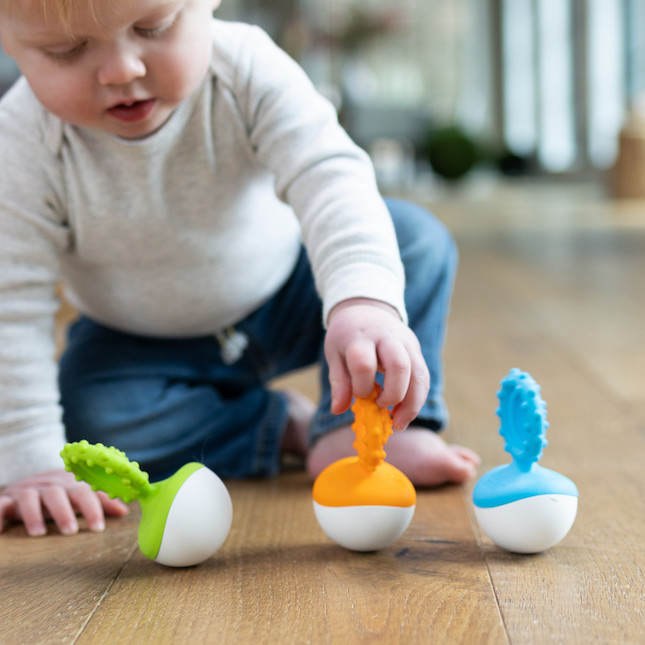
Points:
x=522 y=506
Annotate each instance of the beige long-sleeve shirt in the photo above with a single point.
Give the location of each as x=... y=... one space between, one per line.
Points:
x=182 y=233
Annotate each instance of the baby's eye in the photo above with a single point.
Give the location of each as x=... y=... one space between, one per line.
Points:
x=65 y=54
x=150 y=32
x=155 y=31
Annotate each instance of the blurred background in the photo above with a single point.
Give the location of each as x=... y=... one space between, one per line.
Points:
x=450 y=91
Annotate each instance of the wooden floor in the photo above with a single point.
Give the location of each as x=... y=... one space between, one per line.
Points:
x=551 y=281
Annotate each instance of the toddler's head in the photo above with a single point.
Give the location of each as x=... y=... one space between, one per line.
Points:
x=121 y=66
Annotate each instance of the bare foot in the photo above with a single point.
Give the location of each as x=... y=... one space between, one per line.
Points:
x=418 y=452
x=301 y=411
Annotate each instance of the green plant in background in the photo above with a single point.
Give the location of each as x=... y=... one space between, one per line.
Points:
x=451 y=152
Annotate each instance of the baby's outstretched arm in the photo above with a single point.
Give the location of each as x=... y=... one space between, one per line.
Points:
x=365 y=336
x=57 y=495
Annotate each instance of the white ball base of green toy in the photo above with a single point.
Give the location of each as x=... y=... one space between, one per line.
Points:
x=198 y=521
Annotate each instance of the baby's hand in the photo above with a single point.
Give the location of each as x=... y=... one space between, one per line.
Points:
x=363 y=337
x=57 y=495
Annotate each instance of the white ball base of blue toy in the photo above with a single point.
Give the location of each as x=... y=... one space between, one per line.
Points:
x=529 y=525
x=363 y=528
x=198 y=521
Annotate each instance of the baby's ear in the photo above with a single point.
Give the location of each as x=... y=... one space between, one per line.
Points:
x=215 y=4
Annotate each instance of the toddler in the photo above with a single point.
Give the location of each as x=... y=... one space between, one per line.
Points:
x=215 y=227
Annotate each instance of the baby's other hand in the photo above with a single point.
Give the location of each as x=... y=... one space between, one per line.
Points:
x=57 y=495
x=363 y=337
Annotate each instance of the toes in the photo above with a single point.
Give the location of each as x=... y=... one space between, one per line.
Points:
x=436 y=463
x=461 y=469
x=467 y=454
x=448 y=468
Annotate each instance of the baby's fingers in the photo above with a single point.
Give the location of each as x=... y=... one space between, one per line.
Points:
x=397 y=368
x=362 y=364
x=415 y=398
x=55 y=499
x=30 y=510
x=88 y=505
x=341 y=385
x=93 y=506
x=406 y=411
x=112 y=506
x=7 y=510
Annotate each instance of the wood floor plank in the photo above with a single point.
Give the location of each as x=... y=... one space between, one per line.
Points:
x=583 y=293
x=51 y=586
x=594 y=594
x=279 y=579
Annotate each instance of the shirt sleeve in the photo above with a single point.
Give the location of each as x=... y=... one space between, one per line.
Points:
x=323 y=175
x=32 y=237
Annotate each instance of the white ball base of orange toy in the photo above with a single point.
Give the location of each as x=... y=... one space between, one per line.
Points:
x=364 y=528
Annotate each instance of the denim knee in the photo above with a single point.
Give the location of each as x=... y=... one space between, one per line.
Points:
x=153 y=399
x=427 y=247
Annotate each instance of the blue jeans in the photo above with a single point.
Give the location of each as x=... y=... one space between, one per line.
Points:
x=166 y=402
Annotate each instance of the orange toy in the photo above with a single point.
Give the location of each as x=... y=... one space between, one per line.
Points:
x=362 y=502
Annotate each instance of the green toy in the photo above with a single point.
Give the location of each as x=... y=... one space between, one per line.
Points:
x=184 y=519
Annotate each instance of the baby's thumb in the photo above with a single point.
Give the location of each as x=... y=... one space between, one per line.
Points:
x=341 y=386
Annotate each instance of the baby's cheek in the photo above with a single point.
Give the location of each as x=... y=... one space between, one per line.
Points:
x=182 y=70
x=69 y=101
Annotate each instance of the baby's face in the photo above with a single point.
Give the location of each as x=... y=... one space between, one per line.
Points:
x=122 y=68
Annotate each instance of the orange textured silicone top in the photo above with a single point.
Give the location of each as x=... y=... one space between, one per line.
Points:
x=366 y=479
x=372 y=426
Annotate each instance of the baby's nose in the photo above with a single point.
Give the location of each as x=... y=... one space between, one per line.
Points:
x=121 y=67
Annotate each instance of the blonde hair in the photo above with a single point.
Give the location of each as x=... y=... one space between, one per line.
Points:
x=61 y=9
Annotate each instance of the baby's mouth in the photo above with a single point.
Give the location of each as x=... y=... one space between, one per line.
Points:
x=135 y=111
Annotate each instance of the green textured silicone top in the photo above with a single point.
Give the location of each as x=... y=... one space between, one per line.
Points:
x=106 y=469
x=109 y=470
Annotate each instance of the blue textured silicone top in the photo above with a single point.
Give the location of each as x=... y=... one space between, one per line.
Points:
x=506 y=484
x=522 y=413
